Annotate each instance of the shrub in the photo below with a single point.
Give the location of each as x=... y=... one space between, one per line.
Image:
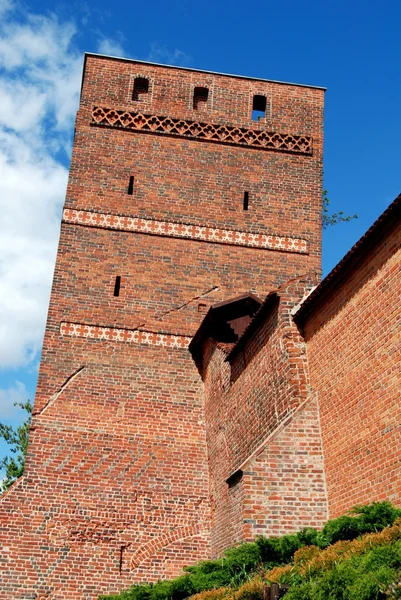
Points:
x=361 y=519
x=278 y=550
x=251 y=590
x=212 y=594
x=362 y=569
x=239 y=564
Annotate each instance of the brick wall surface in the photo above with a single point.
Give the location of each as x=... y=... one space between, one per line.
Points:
x=262 y=430
x=284 y=483
x=116 y=488
x=353 y=345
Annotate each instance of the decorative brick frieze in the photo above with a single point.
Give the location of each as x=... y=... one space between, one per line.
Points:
x=181 y=230
x=209 y=132
x=134 y=336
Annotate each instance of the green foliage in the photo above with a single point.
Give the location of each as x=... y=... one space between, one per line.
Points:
x=362 y=577
x=334 y=218
x=18 y=442
x=241 y=563
x=234 y=568
x=361 y=519
x=278 y=550
x=375 y=516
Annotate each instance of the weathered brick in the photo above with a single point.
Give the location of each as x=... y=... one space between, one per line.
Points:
x=116 y=488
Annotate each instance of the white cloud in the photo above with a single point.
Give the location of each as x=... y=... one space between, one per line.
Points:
x=40 y=75
x=40 y=71
x=5 y=6
x=111 y=47
x=8 y=398
x=161 y=54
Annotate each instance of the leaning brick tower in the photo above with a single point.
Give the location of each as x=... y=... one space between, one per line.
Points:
x=186 y=188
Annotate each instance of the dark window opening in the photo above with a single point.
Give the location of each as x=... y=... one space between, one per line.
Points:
x=117 y=285
x=246 y=201
x=121 y=558
x=122 y=551
x=131 y=185
x=141 y=88
x=235 y=478
x=200 y=97
x=258 y=108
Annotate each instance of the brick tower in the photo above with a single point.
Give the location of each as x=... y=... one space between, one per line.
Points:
x=186 y=188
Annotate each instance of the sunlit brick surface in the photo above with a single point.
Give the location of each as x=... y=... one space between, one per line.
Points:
x=181 y=230
x=202 y=131
x=155 y=231
x=95 y=332
x=354 y=350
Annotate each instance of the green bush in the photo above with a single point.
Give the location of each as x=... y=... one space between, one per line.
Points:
x=240 y=563
x=278 y=550
x=361 y=519
x=364 y=577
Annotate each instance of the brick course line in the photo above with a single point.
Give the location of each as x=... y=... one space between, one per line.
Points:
x=112 y=334
x=185 y=231
x=208 y=132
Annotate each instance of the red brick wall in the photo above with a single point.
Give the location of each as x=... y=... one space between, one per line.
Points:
x=117 y=486
x=261 y=420
x=284 y=483
x=353 y=344
x=192 y=181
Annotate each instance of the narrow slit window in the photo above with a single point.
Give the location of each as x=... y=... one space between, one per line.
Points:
x=258 y=108
x=141 y=88
x=235 y=478
x=121 y=558
x=117 y=285
x=131 y=185
x=201 y=95
x=246 y=201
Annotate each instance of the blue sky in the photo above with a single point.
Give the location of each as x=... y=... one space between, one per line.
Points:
x=352 y=48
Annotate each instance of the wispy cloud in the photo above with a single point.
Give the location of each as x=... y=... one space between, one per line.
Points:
x=40 y=74
x=161 y=54
x=40 y=71
x=111 y=47
x=5 y=6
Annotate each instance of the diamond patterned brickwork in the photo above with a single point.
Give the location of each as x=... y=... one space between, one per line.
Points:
x=181 y=230
x=134 y=336
x=209 y=132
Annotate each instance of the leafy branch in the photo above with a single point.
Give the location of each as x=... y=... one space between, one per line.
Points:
x=17 y=439
x=334 y=218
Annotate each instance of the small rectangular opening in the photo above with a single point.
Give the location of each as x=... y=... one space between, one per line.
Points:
x=141 y=88
x=121 y=558
x=131 y=186
x=117 y=285
x=246 y=201
x=235 y=478
x=200 y=97
x=258 y=108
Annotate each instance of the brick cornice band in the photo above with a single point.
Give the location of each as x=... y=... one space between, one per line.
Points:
x=237 y=136
x=133 y=336
x=181 y=230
